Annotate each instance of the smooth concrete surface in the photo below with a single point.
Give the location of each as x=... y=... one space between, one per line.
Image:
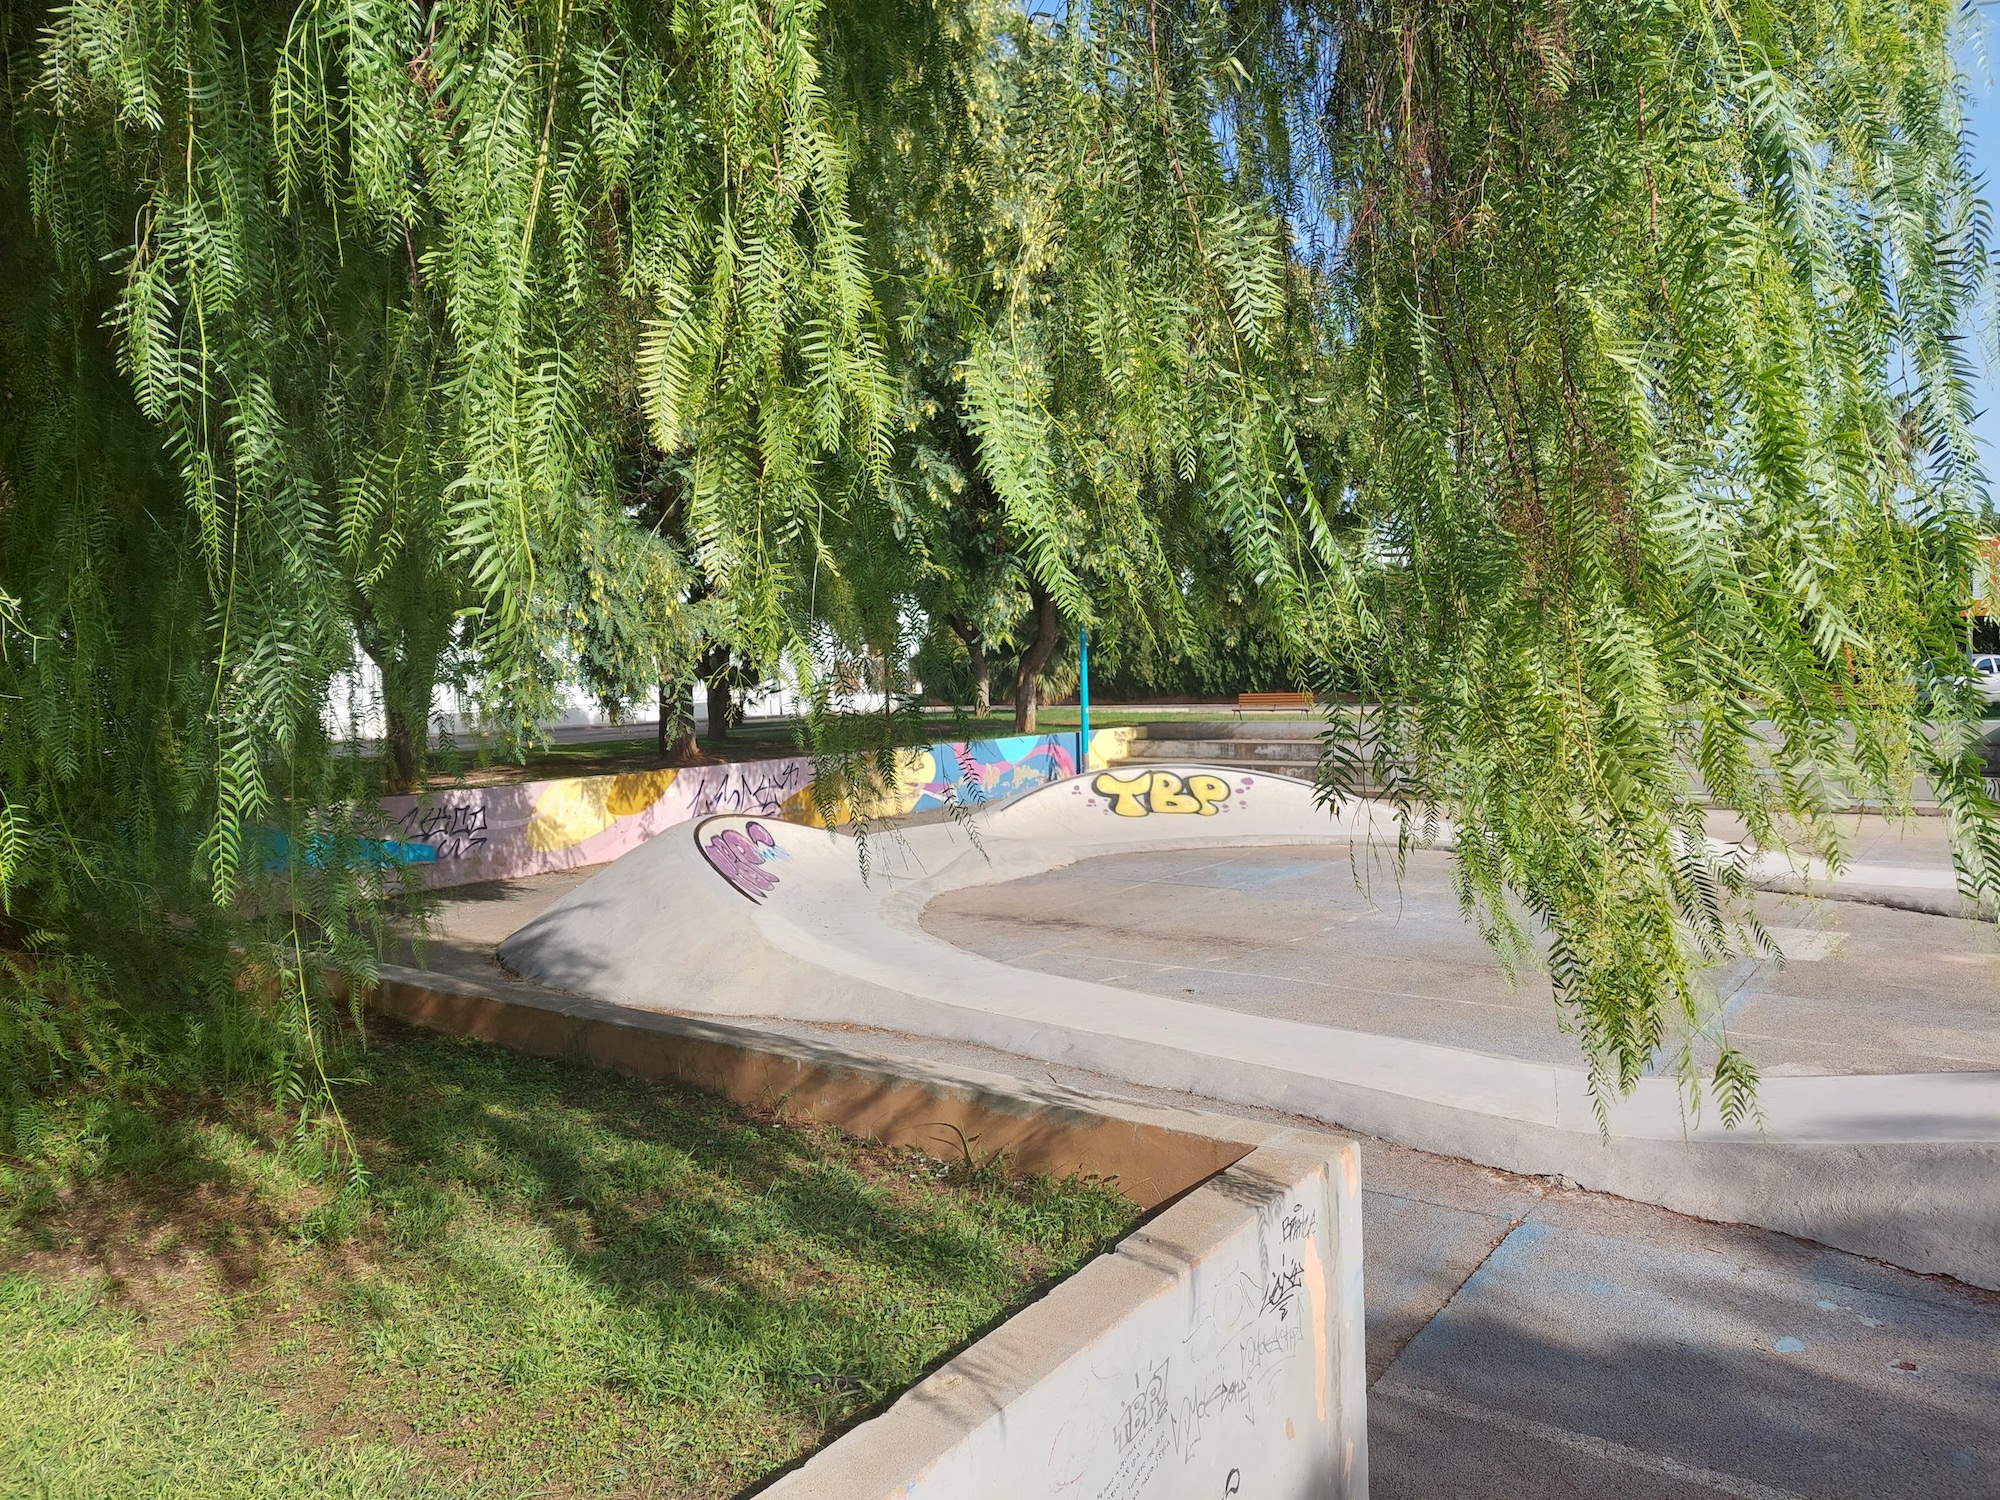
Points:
x=1900 y=1165
x=1669 y=1324
x=1841 y=1419
x=1217 y=1351
x=1308 y=934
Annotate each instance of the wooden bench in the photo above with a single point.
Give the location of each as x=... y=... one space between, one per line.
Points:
x=1274 y=700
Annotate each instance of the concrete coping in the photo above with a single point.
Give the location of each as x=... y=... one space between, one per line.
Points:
x=1217 y=1349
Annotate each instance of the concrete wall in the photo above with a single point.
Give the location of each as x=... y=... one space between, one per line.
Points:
x=1216 y=1351
x=457 y=837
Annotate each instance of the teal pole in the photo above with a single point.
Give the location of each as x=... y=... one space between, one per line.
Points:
x=1083 y=734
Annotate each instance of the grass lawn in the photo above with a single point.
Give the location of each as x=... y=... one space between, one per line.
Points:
x=565 y=1283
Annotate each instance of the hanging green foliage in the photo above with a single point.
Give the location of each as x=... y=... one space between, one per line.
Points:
x=1651 y=382
x=1583 y=381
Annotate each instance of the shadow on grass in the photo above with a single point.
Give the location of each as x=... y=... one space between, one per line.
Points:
x=106 y=1182
x=720 y=1251
x=597 y=1273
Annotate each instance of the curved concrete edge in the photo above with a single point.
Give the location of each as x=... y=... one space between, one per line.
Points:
x=1216 y=1351
x=1900 y=1167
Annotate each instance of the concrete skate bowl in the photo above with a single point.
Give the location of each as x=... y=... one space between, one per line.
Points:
x=750 y=918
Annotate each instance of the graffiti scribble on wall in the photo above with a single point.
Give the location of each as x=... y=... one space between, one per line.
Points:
x=739 y=856
x=1137 y=794
x=452 y=830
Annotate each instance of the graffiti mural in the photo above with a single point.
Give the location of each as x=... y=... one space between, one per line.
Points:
x=504 y=832
x=1139 y=794
x=990 y=770
x=966 y=774
x=741 y=854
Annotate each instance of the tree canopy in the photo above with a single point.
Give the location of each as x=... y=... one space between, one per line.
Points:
x=1584 y=381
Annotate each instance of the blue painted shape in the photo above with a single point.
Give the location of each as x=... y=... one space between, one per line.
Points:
x=1789 y=1345
x=994 y=770
x=276 y=851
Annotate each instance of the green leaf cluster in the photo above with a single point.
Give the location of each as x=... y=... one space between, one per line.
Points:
x=1585 y=382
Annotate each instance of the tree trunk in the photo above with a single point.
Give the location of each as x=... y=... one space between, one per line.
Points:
x=1048 y=631
x=720 y=709
x=406 y=633
x=677 y=744
x=402 y=748
x=975 y=654
x=409 y=679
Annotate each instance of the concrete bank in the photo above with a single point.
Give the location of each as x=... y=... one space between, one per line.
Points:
x=1218 y=1350
x=744 y=918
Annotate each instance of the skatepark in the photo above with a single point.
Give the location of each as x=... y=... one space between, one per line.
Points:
x=1671 y=1309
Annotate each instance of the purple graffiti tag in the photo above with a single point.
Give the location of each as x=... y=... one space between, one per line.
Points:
x=740 y=857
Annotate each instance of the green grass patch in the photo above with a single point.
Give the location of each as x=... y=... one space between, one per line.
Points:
x=563 y=1283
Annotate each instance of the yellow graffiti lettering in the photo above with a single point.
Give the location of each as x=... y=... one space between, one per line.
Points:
x=1161 y=792
x=1167 y=795
x=1124 y=792
x=1209 y=791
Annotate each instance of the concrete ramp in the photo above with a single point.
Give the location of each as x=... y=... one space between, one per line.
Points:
x=749 y=917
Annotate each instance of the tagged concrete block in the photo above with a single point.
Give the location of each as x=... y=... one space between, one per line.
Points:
x=1216 y=1352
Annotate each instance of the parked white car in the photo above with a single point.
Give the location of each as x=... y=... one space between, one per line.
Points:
x=1987 y=670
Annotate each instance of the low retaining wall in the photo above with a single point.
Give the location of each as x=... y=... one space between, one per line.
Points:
x=1212 y=1354
x=457 y=837
x=1155 y=1155
x=1217 y=1351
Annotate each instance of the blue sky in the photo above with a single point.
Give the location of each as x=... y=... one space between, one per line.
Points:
x=1981 y=58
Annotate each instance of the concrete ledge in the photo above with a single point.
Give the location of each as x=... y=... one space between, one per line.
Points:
x=1308 y=730
x=1218 y=1350
x=1154 y=1155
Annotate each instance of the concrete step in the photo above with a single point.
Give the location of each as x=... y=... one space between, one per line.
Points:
x=1281 y=749
x=1210 y=730
x=1288 y=747
x=1227 y=752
